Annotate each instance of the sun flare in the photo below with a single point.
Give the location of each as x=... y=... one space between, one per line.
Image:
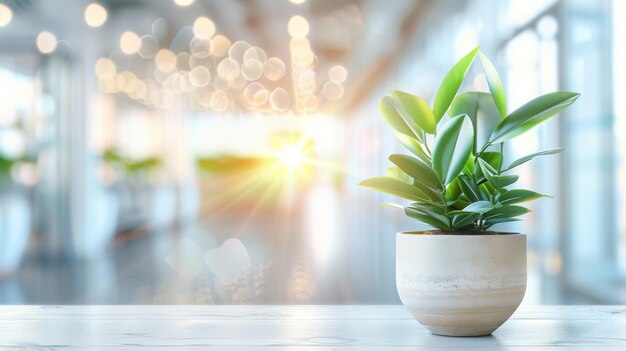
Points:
x=291 y=157
x=292 y=152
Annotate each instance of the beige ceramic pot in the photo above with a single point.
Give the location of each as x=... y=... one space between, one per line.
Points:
x=461 y=285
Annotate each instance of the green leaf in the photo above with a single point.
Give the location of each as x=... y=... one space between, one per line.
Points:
x=469 y=168
x=417 y=169
x=393 y=118
x=495 y=84
x=460 y=203
x=397 y=173
x=481 y=110
x=500 y=182
x=488 y=223
x=531 y=114
x=488 y=189
x=470 y=189
x=495 y=180
x=433 y=209
x=527 y=158
x=479 y=207
x=453 y=190
x=415 y=111
x=515 y=196
x=483 y=172
x=388 y=204
x=428 y=217
x=395 y=187
x=434 y=195
x=494 y=159
x=486 y=167
x=453 y=146
x=463 y=219
x=451 y=84
x=507 y=211
x=414 y=146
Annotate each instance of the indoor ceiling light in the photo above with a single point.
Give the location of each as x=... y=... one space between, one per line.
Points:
x=5 y=15
x=183 y=2
x=298 y=27
x=95 y=15
x=129 y=43
x=46 y=42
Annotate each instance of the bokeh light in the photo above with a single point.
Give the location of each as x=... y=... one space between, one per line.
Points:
x=46 y=42
x=220 y=101
x=95 y=15
x=274 y=69
x=255 y=53
x=6 y=15
x=220 y=45
x=261 y=97
x=200 y=46
x=279 y=99
x=182 y=39
x=165 y=60
x=337 y=74
x=159 y=28
x=200 y=76
x=126 y=81
x=298 y=27
x=308 y=81
x=238 y=83
x=148 y=46
x=228 y=69
x=183 y=3
x=251 y=91
x=12 y=142
x=238 y=50
x=252 y=69
x=332 y=90
x=220 y=74
x=182 y=61
x=129 y=42
x=204 y=25
x=105 y=68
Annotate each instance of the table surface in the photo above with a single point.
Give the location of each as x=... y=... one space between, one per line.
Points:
x=296 y=328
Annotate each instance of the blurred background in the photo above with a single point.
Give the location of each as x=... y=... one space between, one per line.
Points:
x=207 y=152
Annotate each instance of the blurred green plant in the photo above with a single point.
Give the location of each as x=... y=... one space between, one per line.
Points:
x=228 y=163
x=130 y=167
x=8 y=161
x=6 y=165
x=456 y=178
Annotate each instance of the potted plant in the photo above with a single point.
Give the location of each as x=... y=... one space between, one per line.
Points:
x=142 y=202
x=461 y=279
x=15 y=216
x=15 y=211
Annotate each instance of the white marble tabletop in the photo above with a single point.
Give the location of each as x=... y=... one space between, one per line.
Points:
x=296 y=328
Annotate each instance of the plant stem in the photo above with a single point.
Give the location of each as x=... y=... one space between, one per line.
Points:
x=445 y=205
x=482 y=150
x=426 y=146
x=478 y=155
x=501 y=158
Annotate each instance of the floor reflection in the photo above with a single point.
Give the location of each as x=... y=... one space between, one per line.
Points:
x=317 y=250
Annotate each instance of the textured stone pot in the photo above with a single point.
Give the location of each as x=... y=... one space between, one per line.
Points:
x=461 y=285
